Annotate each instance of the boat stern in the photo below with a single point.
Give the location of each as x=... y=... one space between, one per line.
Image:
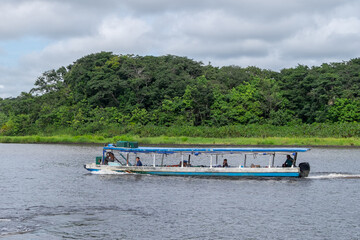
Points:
x=304 y=169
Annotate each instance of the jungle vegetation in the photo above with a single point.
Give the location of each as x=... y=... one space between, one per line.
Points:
x=107 y=94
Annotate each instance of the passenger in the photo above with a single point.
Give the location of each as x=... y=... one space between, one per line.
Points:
x=110 y=157
x=225 y=164
x=289 y=161
x=138 y=162
x=185 y=164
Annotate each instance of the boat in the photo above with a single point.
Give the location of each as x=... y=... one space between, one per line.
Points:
x=120 y=159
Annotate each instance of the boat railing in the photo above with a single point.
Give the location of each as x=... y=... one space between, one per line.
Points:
x=213 y=161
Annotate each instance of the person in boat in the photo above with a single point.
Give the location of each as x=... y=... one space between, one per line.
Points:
x=185 y=164
x=110 y=157
x=138 y=162
x=225 y=163
x=288 y=162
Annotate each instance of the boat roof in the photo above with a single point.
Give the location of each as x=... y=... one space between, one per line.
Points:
x=171 y=150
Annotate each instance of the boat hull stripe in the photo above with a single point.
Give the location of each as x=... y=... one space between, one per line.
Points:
x=229 y=174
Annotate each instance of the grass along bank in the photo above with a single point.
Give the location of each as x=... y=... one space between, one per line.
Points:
x=275 y=141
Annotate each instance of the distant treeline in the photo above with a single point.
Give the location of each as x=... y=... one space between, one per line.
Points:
x=110 y=93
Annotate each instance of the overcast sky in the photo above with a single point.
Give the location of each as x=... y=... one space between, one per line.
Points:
x=36 y=36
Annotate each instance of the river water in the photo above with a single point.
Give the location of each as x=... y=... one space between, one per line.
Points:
x=47 y=194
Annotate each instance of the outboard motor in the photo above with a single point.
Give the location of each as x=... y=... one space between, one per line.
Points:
x=304 y=169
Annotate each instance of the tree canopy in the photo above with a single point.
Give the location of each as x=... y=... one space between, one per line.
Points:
x=104 y=89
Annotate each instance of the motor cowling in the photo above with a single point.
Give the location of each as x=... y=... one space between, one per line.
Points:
x=304 y=169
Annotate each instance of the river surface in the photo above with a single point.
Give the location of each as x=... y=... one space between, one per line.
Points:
x=47 y=194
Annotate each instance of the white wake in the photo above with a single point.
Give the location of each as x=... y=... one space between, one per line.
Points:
x=108 y=172
x=5 y=220
x=334 y=175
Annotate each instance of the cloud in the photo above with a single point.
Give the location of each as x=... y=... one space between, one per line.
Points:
x=122 y=35
x=50 y=19
x=126 y=35
x=252 y=10
x=39 y=35
x=13 y=81
x=327 y=39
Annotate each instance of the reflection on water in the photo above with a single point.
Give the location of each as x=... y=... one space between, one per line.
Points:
x=47 y=194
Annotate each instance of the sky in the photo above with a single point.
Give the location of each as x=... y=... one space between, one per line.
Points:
x=40 y=35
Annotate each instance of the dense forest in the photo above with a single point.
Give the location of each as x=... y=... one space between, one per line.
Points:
x=110 y=93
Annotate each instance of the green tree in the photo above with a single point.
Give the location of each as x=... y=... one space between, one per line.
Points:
x=240 y=106
x=295 y=86
x=198 y=99
x=344 y=110
x=50 y=81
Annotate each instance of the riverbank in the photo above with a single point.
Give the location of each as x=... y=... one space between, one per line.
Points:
x=253 y=141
